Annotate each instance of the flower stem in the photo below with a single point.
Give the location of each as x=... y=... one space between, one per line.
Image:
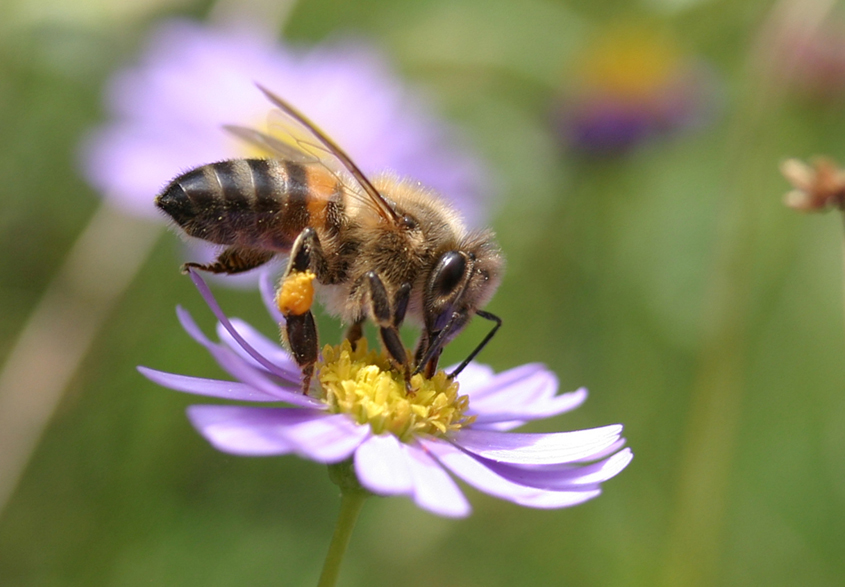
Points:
x=696 y=538
x=843 y=258
x=62 y=327
x=350 y=507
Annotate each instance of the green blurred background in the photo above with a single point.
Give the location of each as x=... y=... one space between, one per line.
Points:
x=701 y=313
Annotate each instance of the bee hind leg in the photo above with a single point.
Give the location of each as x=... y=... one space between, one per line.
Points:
x=388 y=317
x=294 y=300
x=233 y=260
x=301 y=334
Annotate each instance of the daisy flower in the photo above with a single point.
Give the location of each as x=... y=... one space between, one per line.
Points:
x=807 y=56
x=396 y=443
x=630 y=86
x=168 y=110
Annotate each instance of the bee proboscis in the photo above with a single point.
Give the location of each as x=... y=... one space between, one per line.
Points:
x=386 y=250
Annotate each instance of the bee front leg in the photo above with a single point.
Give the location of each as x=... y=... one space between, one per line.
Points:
x=400 y=305
x=355 y=333
x=294 y=300
x=388 y=321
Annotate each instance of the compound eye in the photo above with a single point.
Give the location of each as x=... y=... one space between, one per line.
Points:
x=448 y=273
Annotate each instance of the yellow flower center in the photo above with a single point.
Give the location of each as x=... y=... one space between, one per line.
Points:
x=631 y=62
x=364 y=385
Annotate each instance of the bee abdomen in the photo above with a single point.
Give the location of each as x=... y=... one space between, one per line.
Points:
x=246 y=202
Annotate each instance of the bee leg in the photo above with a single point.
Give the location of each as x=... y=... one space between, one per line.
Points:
x=388 y=321
x=355 y=333
x=400 y=304
x=294 y=300
x=431 y=346
x=427 y=354
x=233 y=260
x=422 y=344
x=301 y=334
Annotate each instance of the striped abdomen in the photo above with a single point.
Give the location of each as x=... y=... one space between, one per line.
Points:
x=257 y=203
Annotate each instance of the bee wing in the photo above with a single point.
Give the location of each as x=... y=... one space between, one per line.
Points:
x=294 y=137
x=270 y=144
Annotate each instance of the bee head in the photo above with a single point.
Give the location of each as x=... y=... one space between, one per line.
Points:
x=461 y=281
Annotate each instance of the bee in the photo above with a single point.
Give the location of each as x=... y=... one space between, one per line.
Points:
x=386 y=250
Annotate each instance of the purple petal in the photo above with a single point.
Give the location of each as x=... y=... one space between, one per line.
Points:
x=477 y=474
x=612 y=448
x=537 y=449
x=329 y=439
x=239 y=369
x=498 y=426
x=382 y=467
x=473 y=377
x=191 y=327
x=434 y=490
x=215 y=308
x=231 y=361
x=564 y=478
x=268 y=296
x=525 y=408
x=263 y=345
x=209 y=387
x=512 y=398
x=501 y=382
x=249 y=431
x=522 y=384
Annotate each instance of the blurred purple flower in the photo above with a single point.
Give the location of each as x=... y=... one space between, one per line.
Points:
x=551 y=470
x=168 y=111
x=811 y=64
x=631 y=86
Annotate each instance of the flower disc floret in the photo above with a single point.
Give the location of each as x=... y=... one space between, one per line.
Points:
x=363 y=384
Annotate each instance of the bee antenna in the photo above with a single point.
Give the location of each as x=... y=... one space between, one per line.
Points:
x=482 y=344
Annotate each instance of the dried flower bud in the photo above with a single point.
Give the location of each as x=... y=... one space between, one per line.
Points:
x=818 y=187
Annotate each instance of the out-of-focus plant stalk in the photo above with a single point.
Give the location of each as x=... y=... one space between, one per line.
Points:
x=101 y=265
x=843 y=263
x=54 y=341
x=696 y=529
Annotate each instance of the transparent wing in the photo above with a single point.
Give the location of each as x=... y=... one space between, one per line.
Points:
x=293 y=137
x=271 y=145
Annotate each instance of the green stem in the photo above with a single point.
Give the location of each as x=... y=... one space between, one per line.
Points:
x=843 y=256
x=350 y=507
x=696 y=539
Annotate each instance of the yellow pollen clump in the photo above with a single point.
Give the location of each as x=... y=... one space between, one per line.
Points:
x=297 y=293
x=363 y=384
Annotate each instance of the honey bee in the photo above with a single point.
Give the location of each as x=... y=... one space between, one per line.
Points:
x=384 y=250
